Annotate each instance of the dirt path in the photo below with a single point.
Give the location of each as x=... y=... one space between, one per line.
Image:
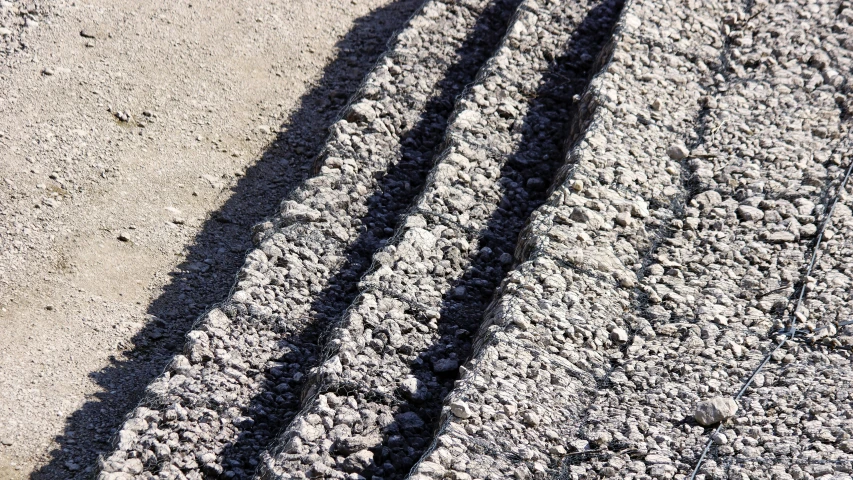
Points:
x=138 y=145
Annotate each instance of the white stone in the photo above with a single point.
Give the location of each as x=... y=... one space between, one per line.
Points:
x=632 y=21
x=719 y=438
x=715 y=410
x=460 y=409
x=133 y=466
x=306 y=431
x=433 y=469
x=126 y=440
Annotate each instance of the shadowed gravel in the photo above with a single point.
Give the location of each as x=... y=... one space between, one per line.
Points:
x=213 y=410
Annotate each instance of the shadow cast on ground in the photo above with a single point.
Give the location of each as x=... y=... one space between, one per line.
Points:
x=207 y=274
x=396 y=190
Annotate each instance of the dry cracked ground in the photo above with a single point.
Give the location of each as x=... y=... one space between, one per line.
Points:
x=441 y=239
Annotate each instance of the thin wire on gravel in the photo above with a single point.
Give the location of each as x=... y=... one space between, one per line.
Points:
x=746 y=228
x=794 y=321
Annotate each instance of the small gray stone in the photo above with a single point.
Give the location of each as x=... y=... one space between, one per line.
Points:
x=293 y=212
x=657 y=459
x=708 y=200
x=306 y=431
x=749 y=214
x=531 y=418
x=808 y=230
x=618 y=335
x=432 y=470
x=677 y=152
x=445 y=365
x=206 y=457
x=361 y=113
x=536 y=184
x=356 y=443
x=782 y=236
x=181 y=365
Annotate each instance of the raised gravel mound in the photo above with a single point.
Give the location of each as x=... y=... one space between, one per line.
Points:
x=787 y=230
x=562 y=317
x=372 y=406
x=218 y=405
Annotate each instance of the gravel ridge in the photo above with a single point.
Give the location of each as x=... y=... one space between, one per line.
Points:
x=706 y=309
x=559 y=318
x=372 y=405
x=245 y=361
x=716 y=291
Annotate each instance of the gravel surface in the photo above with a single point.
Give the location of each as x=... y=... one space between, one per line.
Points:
x=706 y=303
x=217 y=406
x=372 y=406
x=718 y=289
x=544 y=239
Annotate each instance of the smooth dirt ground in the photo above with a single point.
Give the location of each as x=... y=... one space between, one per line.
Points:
x=139 y=144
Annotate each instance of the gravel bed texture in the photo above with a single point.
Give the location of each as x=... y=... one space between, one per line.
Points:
x=706 y=303
x=17 y=20
x=547 y=239
x=776 y=160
